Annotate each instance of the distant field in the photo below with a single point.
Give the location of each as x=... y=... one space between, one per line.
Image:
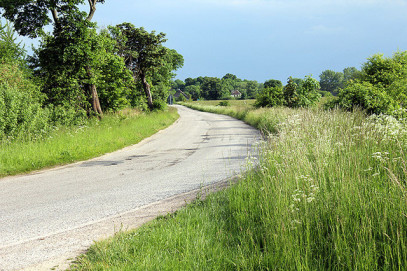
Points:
x=232 y=102
x=247 y=104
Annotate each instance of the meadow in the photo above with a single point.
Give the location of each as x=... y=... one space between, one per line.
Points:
x=68 y=144
x=327 y=192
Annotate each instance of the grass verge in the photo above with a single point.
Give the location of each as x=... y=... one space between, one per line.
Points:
x=70 y=144
x=329 y=193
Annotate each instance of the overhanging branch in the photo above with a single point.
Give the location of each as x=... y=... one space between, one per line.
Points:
x=92 y=7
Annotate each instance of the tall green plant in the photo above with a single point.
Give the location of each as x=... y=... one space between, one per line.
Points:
x=381 y=87
x=10 y=48
x=308 y=94
x=269 y=97
x=21 y=114
x=145 y=56
x=69 y=36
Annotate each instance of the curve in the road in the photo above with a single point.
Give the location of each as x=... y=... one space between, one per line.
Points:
x=198 y=150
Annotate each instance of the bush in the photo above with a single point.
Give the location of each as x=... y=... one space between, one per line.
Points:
x=270 y=97
x=325 y=93
x=66 y=115
x=224 y=103
x=159 y=105
x=371 y=98
x=307 y=92
x=181 y=98
x=21 y=116
x=382 y=88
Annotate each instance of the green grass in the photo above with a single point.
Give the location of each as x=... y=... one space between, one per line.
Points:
x=70 y=144
x=329 y=193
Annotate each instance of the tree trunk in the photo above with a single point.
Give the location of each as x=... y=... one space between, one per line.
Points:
x=146 y=87
x=95 y=100
x=94 y=94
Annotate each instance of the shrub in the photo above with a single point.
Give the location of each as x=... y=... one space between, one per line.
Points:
x=159 y=105
x=21 y=116
x=373 y=99
x=307 y=92
x=224 y=103
x=270 y=97
x=382 y=88
x=325 y=93
x=303 y=95
x=66 y=115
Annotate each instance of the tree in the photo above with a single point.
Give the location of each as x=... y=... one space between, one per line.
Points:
x=297 y=81
x=273 y=83
x=70 y=24
x=373 y=99
x=308 y=94
x=229 y=76
x=194 y=91
x=211 y=88
x=384 y=71
x=30 y=17
x=331 y=81
x=10 y=49
x=164 y=74
x=178 y=84
x=290 y=93
x=191 y=81
x=351 y=73
x=252 y=89
x=381 y=87
x=144 y=54
x=272 y=96
x=304 y=95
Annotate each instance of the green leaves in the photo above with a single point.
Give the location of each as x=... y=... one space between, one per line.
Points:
x=304 y=94
x=385 y=71
x=10 y=49
x=381 y=88
x=270 y=97
x=331 y=81
x=365 y=95
x=150 y=62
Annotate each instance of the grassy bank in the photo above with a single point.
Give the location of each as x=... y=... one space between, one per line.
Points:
x=329 y=194
x=69 y=144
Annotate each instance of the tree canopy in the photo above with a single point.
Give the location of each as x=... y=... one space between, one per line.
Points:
x=380 y=88
x=10 y=49
x=30 y=17
x=144 y=54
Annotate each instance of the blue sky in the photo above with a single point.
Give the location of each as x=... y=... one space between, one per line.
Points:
x=264 y=39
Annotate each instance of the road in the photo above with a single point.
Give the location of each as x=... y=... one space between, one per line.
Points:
x=50 y=215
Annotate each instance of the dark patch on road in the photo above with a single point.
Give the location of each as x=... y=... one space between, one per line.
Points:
x=101 y=163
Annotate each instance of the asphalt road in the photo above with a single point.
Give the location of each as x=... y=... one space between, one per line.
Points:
x=50 y=214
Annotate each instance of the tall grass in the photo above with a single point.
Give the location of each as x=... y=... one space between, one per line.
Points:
x=328 y=192
x=75 y=143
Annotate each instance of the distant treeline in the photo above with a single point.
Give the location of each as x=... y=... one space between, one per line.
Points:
x=213 y=88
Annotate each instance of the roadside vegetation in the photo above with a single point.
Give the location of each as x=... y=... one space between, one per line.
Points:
x=68 y=144
x=326 y=192
x=85 y=91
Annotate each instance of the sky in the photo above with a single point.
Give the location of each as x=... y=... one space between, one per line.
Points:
x=267 y=39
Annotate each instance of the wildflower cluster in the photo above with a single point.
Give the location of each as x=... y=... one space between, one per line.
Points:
x=301 y=199
x=388 y=127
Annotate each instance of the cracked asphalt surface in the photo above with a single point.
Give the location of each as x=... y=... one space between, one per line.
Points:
x=49 y=216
